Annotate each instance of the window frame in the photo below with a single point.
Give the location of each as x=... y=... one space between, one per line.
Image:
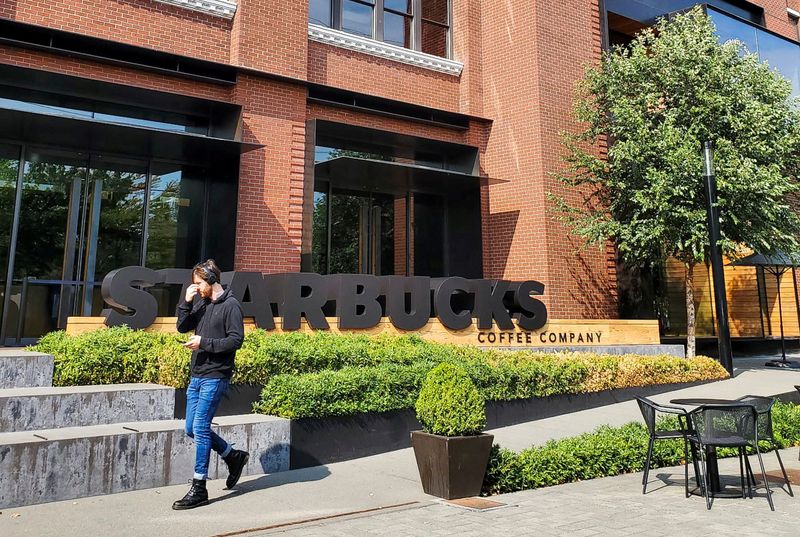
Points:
x=378 y=12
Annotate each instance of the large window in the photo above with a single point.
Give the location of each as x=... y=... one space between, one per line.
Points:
x=422 y=25
x=780 y=53
x=82 y=215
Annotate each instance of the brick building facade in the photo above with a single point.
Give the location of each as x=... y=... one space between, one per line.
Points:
x=505 y=93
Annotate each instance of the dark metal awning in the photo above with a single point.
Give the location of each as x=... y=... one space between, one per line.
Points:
x=394 y=177
x=104 y=137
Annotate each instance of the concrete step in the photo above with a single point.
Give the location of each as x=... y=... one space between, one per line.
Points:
x=63 y=464
x=25 y=409
x=19 y=368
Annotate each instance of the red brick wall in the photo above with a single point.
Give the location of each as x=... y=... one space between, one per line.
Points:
x=532 y=57
x=271 y=36
x=776 y=17
x=270 y=217
x=139 y=22
x=363 y=73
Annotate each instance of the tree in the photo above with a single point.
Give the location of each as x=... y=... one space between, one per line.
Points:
x=655 y=102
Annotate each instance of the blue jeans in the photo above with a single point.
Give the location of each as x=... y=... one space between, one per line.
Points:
x=202 y=399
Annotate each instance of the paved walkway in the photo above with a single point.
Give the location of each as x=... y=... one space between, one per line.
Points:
x=607 y=507
x=381 y=495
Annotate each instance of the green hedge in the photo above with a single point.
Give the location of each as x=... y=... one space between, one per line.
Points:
x=607 y=451
x=325 y=374
x=344 y=392
x=117 y=355
x=498 y=377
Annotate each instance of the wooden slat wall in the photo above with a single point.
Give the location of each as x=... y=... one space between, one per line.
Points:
x=613 y=332
x=741 y=288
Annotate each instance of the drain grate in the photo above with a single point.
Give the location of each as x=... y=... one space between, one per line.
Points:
x=476 y=503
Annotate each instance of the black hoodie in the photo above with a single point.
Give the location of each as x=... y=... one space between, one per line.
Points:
x=221 y=329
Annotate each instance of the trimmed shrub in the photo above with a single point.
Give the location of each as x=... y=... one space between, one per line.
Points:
x=449 y=404
x=608 y=451
x=387 y=369
x=345 y=392
x=521 y=375
x=112 y=356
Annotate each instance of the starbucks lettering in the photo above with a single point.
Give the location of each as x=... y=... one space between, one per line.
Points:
x=359 y=301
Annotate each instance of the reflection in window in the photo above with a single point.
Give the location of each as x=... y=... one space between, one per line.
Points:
x=175 y=217
x=729 y=29
x=9 y=168
x=397 y=29
x=435 y=11
x=319 y=253
x=358 y=236
x=115 y=220
x=781 y=54
x=319 y=12
x=357 y=17
x=42 y=102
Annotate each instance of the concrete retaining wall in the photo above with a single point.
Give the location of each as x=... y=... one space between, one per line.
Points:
x=24 y=409
x=20 y=368
x=62 y=464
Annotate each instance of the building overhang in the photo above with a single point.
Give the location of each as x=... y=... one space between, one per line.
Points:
x=104 y=137
x=351 y=173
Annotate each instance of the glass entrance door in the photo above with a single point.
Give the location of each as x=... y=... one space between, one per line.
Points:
x=76 y=223
x=9 y=171
x=361 y=233
x=47 y=242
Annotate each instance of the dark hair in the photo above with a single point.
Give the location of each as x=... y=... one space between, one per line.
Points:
x=207 y=271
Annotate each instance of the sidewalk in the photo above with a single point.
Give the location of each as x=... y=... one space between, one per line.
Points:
x=381 y=495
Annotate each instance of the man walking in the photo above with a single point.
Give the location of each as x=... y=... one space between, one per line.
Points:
x=216 y=318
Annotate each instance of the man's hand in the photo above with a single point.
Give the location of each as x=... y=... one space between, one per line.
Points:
x=191 y=291
x=193 y=343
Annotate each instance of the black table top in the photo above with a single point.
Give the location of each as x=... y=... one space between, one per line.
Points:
x=697 y=401
x=762 y=404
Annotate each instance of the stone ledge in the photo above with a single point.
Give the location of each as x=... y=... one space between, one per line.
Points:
x=219 y=8
x=380 y=49
x=89 y=461
x=26 y=409
x=19 y=369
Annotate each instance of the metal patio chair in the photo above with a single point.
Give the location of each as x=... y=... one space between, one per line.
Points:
x=764 y=409
x=731 y=426
x=650 y=411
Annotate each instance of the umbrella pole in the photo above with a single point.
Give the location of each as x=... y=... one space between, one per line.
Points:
x=783 y=362
x=780 y=315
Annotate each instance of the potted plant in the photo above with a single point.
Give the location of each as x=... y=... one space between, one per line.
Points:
x=452 y=453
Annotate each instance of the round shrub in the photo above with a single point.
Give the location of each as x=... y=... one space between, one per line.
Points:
x=449 y=404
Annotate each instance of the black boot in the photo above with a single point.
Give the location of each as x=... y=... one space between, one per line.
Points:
x=236 y=461
x=197 y=496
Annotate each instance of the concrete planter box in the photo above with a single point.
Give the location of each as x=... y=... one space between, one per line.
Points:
x=238 y=399
x=318 y=441
x=451 y=467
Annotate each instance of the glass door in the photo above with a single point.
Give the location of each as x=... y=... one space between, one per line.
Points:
x=111 y=234
x=9 y=171
x=361 y=233
x=76 y=223
x=51 y=212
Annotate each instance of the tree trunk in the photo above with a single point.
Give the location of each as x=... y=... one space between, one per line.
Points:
x=690 y=311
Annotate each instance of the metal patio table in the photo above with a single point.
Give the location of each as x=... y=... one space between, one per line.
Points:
x=711 y=451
